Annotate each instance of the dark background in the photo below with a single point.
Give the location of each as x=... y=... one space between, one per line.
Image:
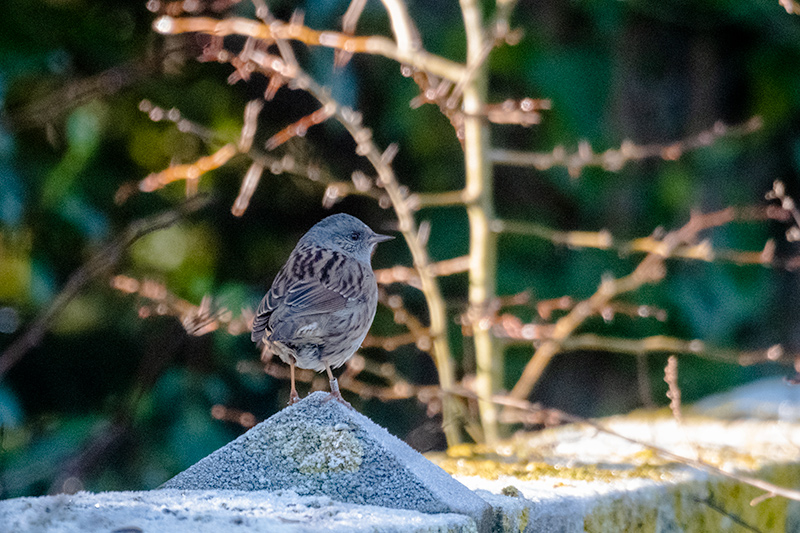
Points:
x=111 y=401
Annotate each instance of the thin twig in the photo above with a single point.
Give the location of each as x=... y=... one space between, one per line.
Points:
x=649 y=270
x=100 y=264
x=404 y=274
x=616 y=158
x=349 y=21
x=791 y=6
x=701 y=251
x=674 y=392
x=401 y=52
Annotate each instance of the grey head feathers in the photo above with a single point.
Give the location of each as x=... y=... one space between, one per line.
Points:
x=344 y=233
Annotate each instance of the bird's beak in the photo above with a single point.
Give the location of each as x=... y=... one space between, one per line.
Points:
x=377 y=237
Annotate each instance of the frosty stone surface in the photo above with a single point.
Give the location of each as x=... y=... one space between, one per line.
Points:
x=319 y=447
x=176 y=511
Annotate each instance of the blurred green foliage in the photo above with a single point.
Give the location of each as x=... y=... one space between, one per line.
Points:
x=115 y=401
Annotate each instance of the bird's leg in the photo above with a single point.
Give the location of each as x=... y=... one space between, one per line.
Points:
x=335 y=388
x=293 y=396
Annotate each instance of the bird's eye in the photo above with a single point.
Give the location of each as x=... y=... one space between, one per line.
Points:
x=355 y=236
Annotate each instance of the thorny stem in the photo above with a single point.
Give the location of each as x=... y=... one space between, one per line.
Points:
x=615 y=159
x=480 y=210
x=649 y=270
x=604 y=240
x=791 y=6
x=377 y=45
x=402 y=26
x=665 y=344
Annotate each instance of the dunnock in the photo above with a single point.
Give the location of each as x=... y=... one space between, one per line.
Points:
x=322 y=302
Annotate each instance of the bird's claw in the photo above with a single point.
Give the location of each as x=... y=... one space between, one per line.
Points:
x=293 y=398
x=336 y=395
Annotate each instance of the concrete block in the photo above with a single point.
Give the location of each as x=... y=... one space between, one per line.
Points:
x=575 y=479
x=319 y=447
x=215 y=511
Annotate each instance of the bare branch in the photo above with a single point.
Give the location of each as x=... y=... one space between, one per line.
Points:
x=614 y=159
x=403 y=52
x=701 y=251
x=791 y=6
x=674 y=392
x=100 y=264
x=403 y=274
x=651 y=269
x=188 y=172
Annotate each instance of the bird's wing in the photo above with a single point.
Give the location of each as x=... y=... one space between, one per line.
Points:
x=292 y=304
x=261 y=318
x=302 y=315
x=269 y=303
x=311 y=297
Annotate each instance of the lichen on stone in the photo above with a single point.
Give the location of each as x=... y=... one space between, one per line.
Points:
x=319 y=449
x=531 y=470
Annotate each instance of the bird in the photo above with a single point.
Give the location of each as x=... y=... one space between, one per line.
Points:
x=322 y=302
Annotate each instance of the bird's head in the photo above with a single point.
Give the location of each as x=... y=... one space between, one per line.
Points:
x=346 y=234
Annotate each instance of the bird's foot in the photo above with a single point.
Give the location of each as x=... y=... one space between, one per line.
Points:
x=336 y=395
x=293 y=397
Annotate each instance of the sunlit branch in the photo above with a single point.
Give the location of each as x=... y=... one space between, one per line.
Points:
x=603 y=240
x=417 y=58
x=404 y=274
x=248 y=187
x=189 y=172
x=349 y=22
x=478 y=193
x=546 y=308
x=417 y=201
x=251 y=111
x=525 y=112
x=184 y=125
x=299 y=128
x=651 y=269
x=791 y=6
x=197 y=320
x=405 y=33
x=511 y=328
x=614 y=159
x=335 y=190
x=503 y=11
